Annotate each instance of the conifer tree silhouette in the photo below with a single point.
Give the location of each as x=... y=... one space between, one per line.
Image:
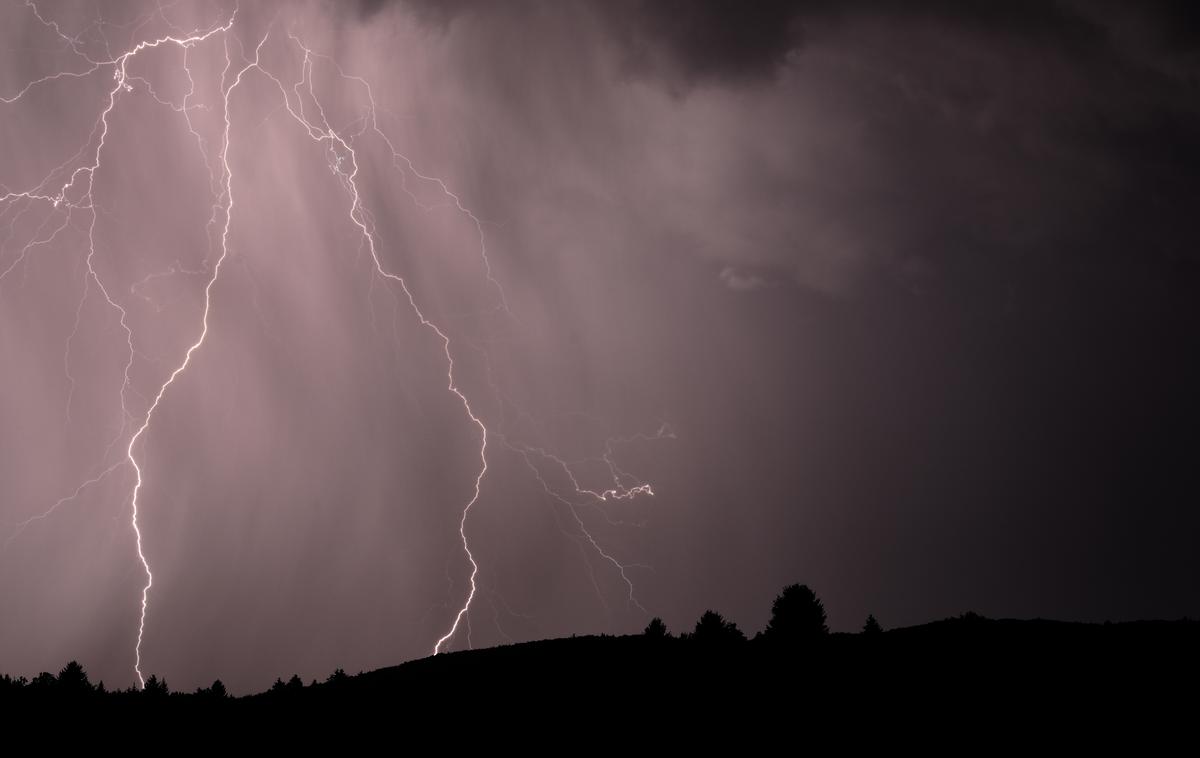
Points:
x=73 y=680
x=656 y=629
x=797 y=616
x=155 y=687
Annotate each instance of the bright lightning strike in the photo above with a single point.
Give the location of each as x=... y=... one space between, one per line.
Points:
x=69 y=189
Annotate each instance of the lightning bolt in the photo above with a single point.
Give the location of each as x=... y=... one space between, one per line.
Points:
x=618 y=492
x=69 y=188
x=123 y=82
x=344 y=163
x=187 y=358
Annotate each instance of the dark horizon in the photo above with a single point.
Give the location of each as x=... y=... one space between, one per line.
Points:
x=999 y=654
x=900 y=302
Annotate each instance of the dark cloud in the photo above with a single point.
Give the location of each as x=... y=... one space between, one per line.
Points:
x=695 y=40
x=368 y=8
x=436 y=12
x=1037 y=21
x=711 y=39
x=1177 y=21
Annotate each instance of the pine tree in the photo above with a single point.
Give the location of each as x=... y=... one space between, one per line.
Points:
x=656 y=629
x=797 y=616
x=871 y=626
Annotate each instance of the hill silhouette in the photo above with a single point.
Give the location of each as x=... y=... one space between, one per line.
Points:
x=967 y=668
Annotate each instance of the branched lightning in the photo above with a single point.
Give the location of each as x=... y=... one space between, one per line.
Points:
x=68 y=189
x=162 y=390
x=618 y=491
x=123 y=82
x=344 y=162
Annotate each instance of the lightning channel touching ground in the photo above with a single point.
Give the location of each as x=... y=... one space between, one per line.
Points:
x=69 y=189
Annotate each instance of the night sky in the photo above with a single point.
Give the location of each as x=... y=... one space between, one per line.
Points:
x=899 y=303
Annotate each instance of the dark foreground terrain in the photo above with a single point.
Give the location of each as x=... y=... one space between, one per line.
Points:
x=958 y=673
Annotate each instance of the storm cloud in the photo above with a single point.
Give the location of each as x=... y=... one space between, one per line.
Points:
x=897 y=302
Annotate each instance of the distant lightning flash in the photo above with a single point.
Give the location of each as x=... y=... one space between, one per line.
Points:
x=618 y=491
x=69 y=189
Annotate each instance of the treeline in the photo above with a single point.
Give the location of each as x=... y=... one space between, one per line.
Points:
x=73 y=683
x=973 y=673
x=797 y=617
x=968 y=653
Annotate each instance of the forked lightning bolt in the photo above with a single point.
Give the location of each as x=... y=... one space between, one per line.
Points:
x=121 y=84
x=69 y=188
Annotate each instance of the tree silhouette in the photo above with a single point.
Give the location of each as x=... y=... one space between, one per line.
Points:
x=44 y=681
x=337 y=677
x=797 y=615
x=73 y=680
x=712 y=628
x=155 y=687
x=871 y=626
x=656 y=629
x=216 y=691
